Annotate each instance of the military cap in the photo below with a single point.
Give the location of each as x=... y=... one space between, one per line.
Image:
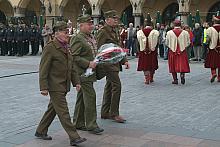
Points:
x=84 y=19
x=60 y=25
x=111 y=14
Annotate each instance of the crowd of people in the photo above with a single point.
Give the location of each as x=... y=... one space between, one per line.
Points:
x=64 y=61
x=20 y=40
x=68 y=53
x=179 y=45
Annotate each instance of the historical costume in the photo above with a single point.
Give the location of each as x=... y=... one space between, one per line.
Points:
x=147 y=62
x=177 y=41
x=213 y=57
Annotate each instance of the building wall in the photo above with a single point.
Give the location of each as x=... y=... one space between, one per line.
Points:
x=72 y=8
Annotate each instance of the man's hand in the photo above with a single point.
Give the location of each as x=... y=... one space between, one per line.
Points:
x=78 y=87
x=92 y=64
x=127 y=65
x=44 y=92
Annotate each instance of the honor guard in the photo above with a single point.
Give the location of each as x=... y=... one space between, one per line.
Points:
x=34 y=37
x=3 y=48
x=20 y=39
x=10 y=34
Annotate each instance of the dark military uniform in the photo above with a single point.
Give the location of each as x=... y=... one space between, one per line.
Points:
x=10 y=40
x=34 y=38
x=112 y=91
x=55 y=74
x=3 y=47
x=82 y=47
x=26 y=40
x=20 y=40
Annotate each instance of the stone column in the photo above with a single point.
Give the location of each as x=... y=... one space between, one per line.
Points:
x=96 y=13
x=95 y=20
x=184 y=10
x=52 y=11
x=137 y=11
x=137 y=20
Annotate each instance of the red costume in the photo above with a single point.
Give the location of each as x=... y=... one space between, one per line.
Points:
x=177 y=40
x=213 y=57
x=123 y=37
x=178 y=61
x=147 y=61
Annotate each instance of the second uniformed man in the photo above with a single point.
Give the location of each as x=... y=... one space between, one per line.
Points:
x=83 y=48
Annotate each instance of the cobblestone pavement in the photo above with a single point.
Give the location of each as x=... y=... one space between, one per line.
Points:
x=178 y=113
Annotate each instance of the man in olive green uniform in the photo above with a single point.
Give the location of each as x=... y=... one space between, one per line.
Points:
x=55 y=76
x=83 y=49
x=112 y=92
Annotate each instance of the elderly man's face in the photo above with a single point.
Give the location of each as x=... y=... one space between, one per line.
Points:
x=86 y=27
x=112 y=21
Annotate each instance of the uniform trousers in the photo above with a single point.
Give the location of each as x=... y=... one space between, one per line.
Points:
x=112 y=94
x=58 y=106
x=85 y=113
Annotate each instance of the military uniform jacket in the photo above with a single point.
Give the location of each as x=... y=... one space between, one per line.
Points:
x=2 y=34
x=34 y=34
x=109 y=35
x=10 y=34
x=82 y=53
x=19 y=34
x=56 y=68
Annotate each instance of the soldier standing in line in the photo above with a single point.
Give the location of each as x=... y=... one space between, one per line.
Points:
x=26 y=40
x=10 y=40
x=84 y=48
x=112 y=91
x=55 y=74
x=19 y=39
x=3 y=48
x=34 y=38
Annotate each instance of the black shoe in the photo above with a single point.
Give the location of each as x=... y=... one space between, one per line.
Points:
x=96 y=131
x=77 y=141
x=175 y=82
x=183 y=80
x=83 y=128
x=195 y=59
x=213 y=78
x=43 y=136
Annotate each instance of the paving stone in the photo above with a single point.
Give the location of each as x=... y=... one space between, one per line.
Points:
x=6 y=144
x=185 y=140
x=157 y=136
x=209 y=143
x=121 y=140
x=184 y=110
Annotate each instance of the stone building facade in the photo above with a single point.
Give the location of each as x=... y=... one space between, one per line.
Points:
x=135 y=10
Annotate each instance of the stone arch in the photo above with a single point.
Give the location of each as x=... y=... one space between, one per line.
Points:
x=6 y=10
x=169 y=13
x=117 y=5
x=213 y=11
x=31 y=9
x=73 y=8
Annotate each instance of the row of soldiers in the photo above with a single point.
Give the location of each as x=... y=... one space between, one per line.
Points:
x=15 y=39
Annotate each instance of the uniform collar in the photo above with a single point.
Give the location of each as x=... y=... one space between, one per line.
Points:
x=109 y=27
x=57 y=44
